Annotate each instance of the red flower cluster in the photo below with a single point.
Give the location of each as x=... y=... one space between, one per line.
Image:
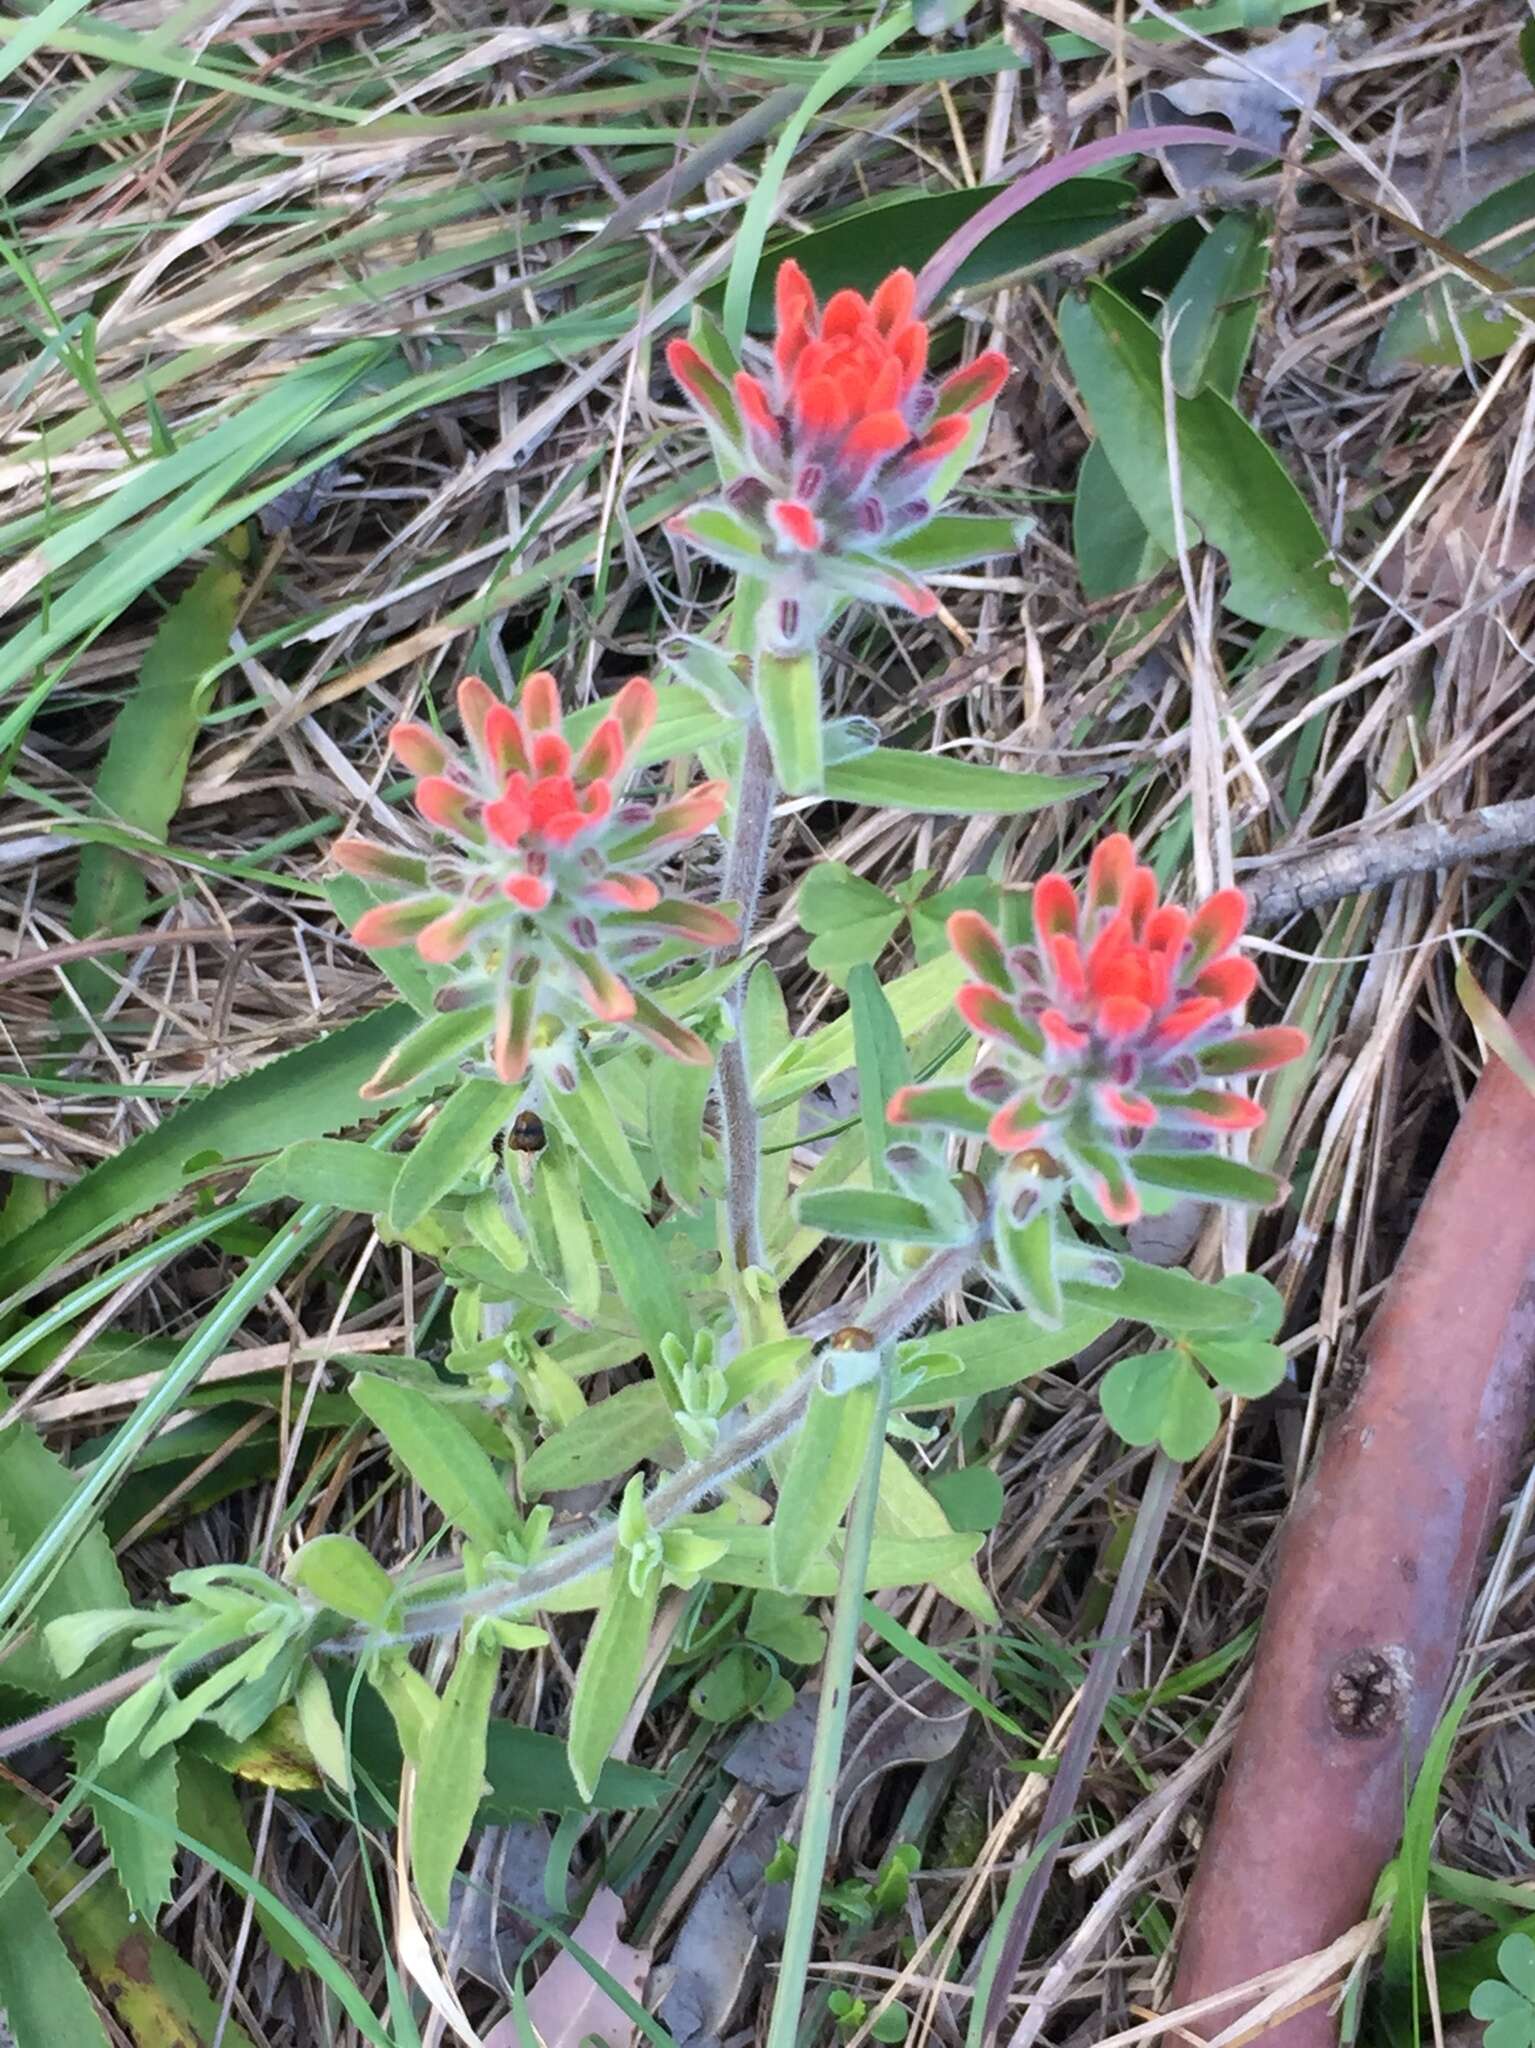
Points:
x=836 y=455
x=1113 y=1024
x=541 y=886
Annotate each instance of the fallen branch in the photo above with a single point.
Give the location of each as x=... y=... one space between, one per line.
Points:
x=1283 y=892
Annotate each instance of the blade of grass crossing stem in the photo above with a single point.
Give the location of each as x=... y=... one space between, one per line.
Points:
x=96 y=1485
x=760 y=208
x=830 y=1726
x=996 y=1940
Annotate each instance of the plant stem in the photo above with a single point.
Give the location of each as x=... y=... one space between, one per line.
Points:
x=1097 y=1690
x=830 y=1725
x=756 y=796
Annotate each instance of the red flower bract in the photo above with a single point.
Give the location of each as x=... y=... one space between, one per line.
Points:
x=834 y=450
x=539 y=893
x=1109 y=1028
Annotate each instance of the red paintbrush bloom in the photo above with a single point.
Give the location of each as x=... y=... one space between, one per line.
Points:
x=841 y=448
x=1106 y=1036
x=540 y=885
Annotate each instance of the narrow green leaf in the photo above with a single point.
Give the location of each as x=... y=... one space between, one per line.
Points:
x=679 y=1095
x=454 y=1144
x=942 y=786
x=1168 y=1299
x=643 y=1274
x=451 y=1776
x=1213 y=309
x=952 y=540
x=869 y=1216
x=880 y=1056
x=999 y=1351
x=441 y=1456
x=609 y=1677
x=1234 y=489
x=1210 y=1177
x=788 y=689
x=420 y=1053
x=144 y=769
x=1459 y=318
x=587 y=1119
x=894 y=1560
x=819 y=1479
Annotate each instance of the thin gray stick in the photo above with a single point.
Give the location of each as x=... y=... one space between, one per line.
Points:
x=1282 y=892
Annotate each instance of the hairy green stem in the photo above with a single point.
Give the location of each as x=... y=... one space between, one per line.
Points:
x=830 y=1727
x=756 y=795
x=1087 y=1719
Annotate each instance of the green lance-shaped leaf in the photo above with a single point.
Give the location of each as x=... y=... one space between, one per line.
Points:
x=609 y=1677
x=871 y=1216
x=1463 y=316
x=143 y=772
x=1235 y=492
x=788 y=690
x=883 y=1067
x=607 y=1439
x=1026 y=1254
x=1167 y=1299
x=941 y=786
x=819 y=1479
x=329 y=1170
x=442 y=1457
x=679 y=1095
x=642 y=1273
x=344 y=1576
x=320 y=1728
x=586 y=1118
x=1212 y=311
x=450 y=1777
x=454 y=1143
x=1210 y=1177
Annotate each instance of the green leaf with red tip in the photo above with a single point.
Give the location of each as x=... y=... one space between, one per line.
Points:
x=945 y=1106
x=789 y=703
x=431 y=1045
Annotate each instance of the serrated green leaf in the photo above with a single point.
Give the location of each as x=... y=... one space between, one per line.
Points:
x=442 y=1457
x=1235 y=491
x=943 y=786
x=1161 y=1396
x=301 y=1094
x=329 y=1170
x=604 y=1442
x=609 y=1675
x=820 y=1474
x=450 y=1776
x=454 y=1144
x=136 y=1833
x=42 y=1996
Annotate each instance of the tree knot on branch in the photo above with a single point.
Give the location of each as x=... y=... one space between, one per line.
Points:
x=1368 y=1691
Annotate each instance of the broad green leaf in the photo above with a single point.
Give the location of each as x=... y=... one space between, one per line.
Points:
x=788 y=688
x=943 y=786
x=870 y=1216
x=1446 y=323
x=999 y=1351
x=442 y=1457
x=1161 y=1396
x=820 y=1476
x=1246 y=1366
x=970 y=1495
x=851 y=919
x=1210 y=1177
x=329 y=1170
x=451 y=1775
x=35 y=1486
x=863 y=247
x=1026 y=1261
x=918 y=1000
x=42 y=1995
x=454 y=1144
x=609 y=1676
x=607 y=1440
x=1165 y=1297
x=143 y=1853
x=144 y=769
x=343 y=1575
x=643 y=1274
x=1235 y=491
x=587 y=1119
x=301 y=1094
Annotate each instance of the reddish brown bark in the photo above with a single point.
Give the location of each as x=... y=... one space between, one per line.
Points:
x=1376 y=1568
